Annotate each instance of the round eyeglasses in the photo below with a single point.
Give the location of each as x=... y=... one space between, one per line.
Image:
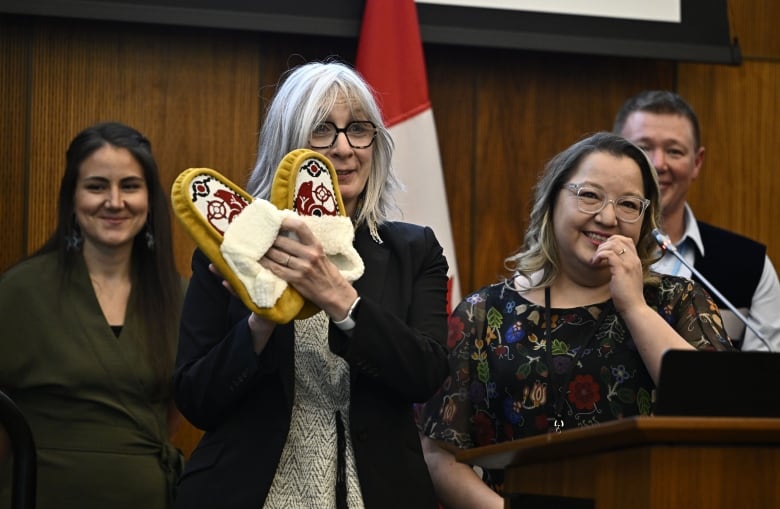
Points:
x=592 y=200
x=359 y=133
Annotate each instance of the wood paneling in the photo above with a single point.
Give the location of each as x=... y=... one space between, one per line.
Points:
x=754 y=25
x=739 y=112
x=14 y=127
x=451 y=90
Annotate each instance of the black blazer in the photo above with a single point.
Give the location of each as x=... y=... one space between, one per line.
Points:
x=397 y=356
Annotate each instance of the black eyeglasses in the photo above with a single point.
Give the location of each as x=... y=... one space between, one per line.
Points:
x=359 y=133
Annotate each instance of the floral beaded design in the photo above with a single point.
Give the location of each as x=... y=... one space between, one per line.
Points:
x=504 y=384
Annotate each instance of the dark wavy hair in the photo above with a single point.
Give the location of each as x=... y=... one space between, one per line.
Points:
x=157 y=287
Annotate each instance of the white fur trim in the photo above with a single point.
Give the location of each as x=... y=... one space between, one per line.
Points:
x=336 y=233
x=252 y=233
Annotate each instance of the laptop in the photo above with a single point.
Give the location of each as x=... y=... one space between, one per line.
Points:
x=718 y=384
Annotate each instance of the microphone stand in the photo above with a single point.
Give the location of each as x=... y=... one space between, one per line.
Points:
x=666 y=244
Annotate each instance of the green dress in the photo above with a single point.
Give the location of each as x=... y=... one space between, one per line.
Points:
x=88 y=395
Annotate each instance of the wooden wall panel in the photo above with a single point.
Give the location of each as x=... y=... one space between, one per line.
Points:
x=14 y=61
x=451 y=90
x=739 y=110
x=754 y=24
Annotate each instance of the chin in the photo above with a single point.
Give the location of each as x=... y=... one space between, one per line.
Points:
x=118 y=241
x=347 y=196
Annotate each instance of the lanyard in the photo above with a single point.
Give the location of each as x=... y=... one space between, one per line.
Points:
x=558 y=423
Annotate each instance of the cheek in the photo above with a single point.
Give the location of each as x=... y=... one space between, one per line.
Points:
x=564 y=218
x=139 y=203
x=365 y=162
x=85 y=204
x=560 y=228
x=632 y=231
x=681 y=170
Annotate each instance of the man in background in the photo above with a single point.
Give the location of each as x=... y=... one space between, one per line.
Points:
x=664 y=125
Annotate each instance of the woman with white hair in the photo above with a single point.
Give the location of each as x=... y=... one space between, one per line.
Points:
x=318 y=412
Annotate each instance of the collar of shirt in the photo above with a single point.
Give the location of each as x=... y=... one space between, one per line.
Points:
x=686 y=246
x=691 y=232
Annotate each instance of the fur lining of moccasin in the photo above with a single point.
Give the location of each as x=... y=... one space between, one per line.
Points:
x=252 y=233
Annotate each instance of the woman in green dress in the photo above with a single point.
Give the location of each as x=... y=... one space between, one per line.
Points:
x=89 y=333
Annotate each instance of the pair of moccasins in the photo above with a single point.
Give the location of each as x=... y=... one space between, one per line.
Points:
x=235 y=231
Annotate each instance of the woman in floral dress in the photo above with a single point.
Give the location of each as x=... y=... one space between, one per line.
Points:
x=575 y=336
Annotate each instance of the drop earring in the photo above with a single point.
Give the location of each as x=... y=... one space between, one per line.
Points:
x=73 y=239
x=149 y=238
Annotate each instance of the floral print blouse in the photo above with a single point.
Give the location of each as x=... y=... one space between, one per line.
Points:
x=506 y=382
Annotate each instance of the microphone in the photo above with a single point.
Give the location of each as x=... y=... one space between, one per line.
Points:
x=666 y=244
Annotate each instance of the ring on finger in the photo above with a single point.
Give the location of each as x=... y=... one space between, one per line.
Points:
x=287 y=262
x=619 y=254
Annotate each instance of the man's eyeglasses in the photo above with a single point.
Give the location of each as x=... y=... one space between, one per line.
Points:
x=592 y=200
x=360 y=134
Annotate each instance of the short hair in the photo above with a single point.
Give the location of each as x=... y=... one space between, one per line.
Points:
x=305 y=97
x=659 y=102
x=540 y=248
x=157 y=287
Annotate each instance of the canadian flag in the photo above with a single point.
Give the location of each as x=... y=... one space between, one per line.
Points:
x=390 y=57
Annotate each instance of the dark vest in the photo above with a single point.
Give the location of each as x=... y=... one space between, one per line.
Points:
x=733 y=264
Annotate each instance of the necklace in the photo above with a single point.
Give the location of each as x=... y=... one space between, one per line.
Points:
x=561 y=392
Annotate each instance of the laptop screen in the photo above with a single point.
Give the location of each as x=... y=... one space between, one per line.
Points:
x=722 y=384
